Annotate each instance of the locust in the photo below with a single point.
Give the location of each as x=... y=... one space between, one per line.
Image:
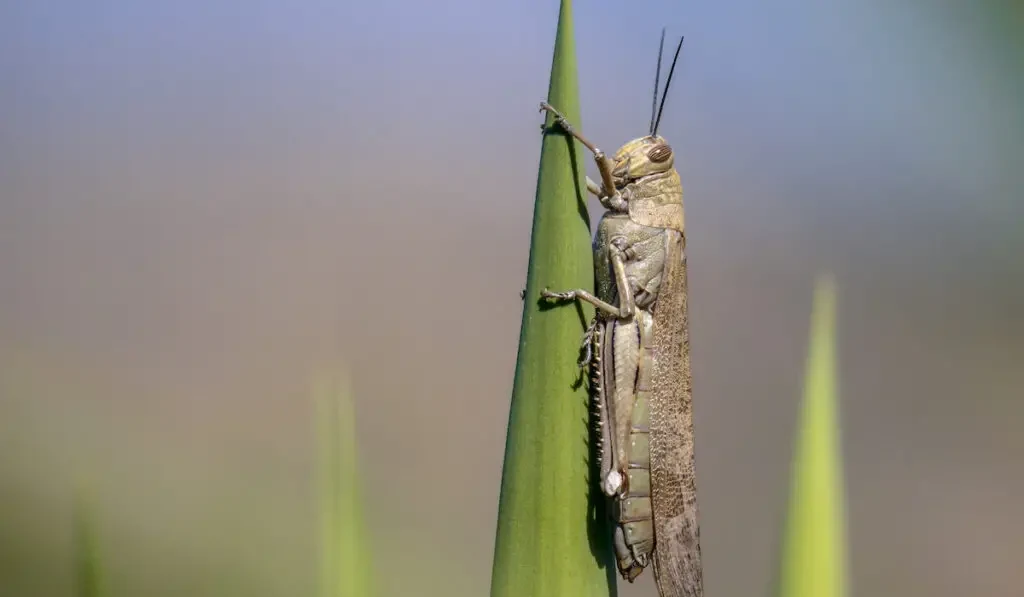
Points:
x=637 y=349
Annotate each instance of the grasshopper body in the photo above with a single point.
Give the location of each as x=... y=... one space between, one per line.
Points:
x=638 y=350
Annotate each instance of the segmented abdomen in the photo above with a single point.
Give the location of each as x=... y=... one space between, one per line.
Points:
x=621 y=375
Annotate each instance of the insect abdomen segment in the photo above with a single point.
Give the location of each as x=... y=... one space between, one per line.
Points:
x=624 y=402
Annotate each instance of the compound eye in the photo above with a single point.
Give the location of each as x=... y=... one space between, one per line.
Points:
x=660 y=153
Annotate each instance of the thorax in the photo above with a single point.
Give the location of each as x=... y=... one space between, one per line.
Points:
x=646 y=240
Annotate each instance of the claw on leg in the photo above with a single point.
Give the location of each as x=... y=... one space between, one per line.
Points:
x=559 y=118
x=583 y=295
x=544 y=106
x=558 y=296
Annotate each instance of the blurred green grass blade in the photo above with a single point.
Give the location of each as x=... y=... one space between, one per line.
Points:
x=549 y=541
x=814 y=546
x=327 y=490
x=89 y=579
x=345 y=559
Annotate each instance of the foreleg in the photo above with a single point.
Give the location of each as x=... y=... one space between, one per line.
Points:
x=604 y=165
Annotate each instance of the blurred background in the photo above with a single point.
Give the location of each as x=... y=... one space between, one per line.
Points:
x=203 y=203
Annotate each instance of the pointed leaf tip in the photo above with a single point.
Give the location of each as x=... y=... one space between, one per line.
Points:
x=544 y=546
x=814 y=547
x=345 y=558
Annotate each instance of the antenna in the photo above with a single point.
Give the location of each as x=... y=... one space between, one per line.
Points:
x=657 y=74
x=664 y=93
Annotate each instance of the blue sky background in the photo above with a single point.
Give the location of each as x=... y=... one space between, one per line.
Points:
x=200 y=202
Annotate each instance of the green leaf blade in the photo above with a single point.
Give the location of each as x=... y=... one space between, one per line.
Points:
x=814 y=546
x=550 y=540
x=345 y=558
x=89 y=577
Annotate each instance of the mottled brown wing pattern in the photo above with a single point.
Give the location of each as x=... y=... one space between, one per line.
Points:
x=677 y=558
